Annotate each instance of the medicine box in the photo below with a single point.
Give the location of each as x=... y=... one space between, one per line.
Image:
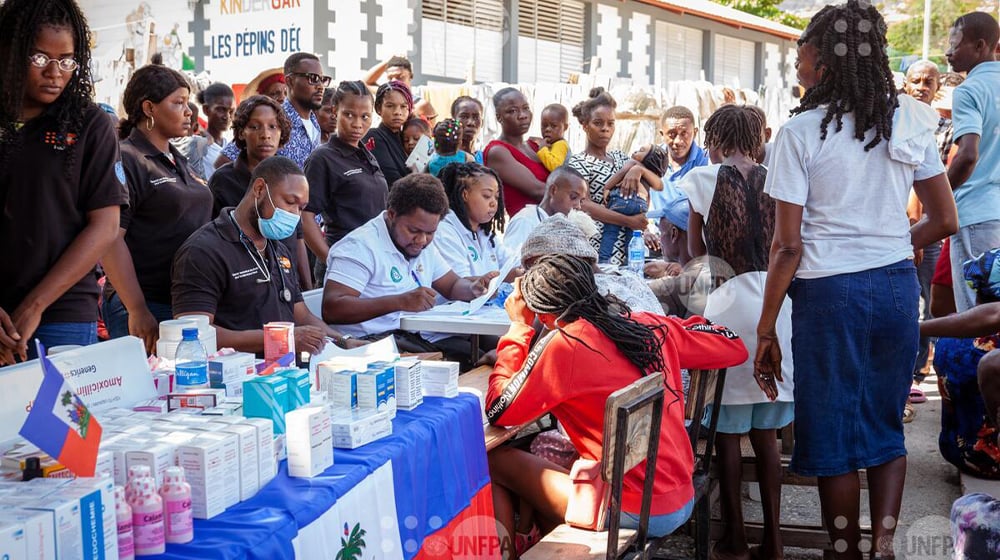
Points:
x=340 y=386
x=377 y=390
x=39 y=532
x=409 y=384
x=199 y=399
x=230 y=371
x=230 y=461
x=266 y=397
x=298 y=387
x=357 y=428
x=65 y=513
x=310 y=441
x=152 y=405
x=98 y=526
x=13 y=542
x=157 y=456
x=249 y=457
x=268 y=467
x=204 y=468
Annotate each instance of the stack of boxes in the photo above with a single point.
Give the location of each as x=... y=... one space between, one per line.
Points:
x=440 y=378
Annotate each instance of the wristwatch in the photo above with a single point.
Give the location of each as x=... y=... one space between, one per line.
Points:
x=344 y=338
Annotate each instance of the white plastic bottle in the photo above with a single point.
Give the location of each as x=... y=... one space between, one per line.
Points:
x=123 y=515
x=147 y=519
x=191 y=361
x=636 y=254
x=177 y=515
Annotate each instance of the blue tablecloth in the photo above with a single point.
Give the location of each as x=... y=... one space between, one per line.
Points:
x=439 y=463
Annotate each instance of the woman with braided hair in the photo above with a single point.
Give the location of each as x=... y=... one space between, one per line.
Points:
x=62 y=185
x=394 y=104
x=843 y=249
x=732 y=221
x=589 y=352
x=467 y=236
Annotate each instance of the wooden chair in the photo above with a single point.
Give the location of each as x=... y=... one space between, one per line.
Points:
x=631 y=435
x=566 y=542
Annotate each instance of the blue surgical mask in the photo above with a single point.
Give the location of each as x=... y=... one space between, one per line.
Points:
x=279 y=226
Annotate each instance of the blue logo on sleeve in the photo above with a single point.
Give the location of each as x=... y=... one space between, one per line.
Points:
x=120 y=172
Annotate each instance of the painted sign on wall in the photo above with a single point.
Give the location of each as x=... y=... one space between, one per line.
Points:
x=247 y=36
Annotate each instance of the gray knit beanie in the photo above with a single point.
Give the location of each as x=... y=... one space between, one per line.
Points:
x=557 y=235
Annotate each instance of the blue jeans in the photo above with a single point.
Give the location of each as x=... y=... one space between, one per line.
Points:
x=659 y=525
x=969 y=243
x=609 y=236
x=116 y=316
x=60 y=334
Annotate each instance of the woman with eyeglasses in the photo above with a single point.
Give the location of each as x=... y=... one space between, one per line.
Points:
x=166 y=204
x=61 y=183
x=306 y=82
x=393 y=103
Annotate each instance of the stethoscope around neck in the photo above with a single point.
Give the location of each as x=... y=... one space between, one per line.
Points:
x=285 y=294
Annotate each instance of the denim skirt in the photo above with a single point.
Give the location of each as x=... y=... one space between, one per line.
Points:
x=854 y=343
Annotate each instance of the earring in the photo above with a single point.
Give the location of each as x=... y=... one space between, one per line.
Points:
x=150 y=123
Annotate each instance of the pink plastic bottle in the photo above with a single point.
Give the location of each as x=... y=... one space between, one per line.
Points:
x=123 y=513
x=177 y=515
x=147 y=519
x=136 y=473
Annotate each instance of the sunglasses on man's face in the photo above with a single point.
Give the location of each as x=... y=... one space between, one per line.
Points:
x=314 y=79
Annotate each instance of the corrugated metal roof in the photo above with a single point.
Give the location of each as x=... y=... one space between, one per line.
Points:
x=726 y=15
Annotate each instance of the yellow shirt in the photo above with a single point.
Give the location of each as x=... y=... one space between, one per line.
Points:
x=554 y=155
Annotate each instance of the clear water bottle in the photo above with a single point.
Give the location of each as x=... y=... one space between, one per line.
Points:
x=636 y=254
x=191 y=362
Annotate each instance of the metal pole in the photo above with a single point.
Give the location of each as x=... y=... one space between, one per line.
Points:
x=926 y=50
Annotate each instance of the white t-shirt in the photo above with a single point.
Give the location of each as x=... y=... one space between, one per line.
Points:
x=854 y=215
x=519 y=228
x=366 y=260
x=312 y=130
x=699 y=186
x=468 y=253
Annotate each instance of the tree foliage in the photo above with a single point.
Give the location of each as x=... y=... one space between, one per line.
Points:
x=906 y=36
x=767 y=9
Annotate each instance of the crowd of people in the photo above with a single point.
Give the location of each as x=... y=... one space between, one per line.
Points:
x=809 y=254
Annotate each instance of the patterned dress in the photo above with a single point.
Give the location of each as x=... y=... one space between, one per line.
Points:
x=597 y=172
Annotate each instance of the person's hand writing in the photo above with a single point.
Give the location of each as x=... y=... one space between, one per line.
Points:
x=420 y=299
x=482 y=283
x=767 y=364
x=355 y=343
x=9 y=339
x=309 y=339
x=516 y=308
x=143 y=324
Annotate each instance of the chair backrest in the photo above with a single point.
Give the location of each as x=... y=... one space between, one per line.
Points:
x=632 y=417
x=706 y=388
x=314 y=301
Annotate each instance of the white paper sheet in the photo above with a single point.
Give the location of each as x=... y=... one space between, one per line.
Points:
x=491 y=291
x=379 y=351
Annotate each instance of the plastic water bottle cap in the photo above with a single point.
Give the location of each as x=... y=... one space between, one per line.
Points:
x=636 y=233
x=190 y=334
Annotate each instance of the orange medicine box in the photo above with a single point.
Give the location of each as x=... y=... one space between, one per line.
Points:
x=279 y=339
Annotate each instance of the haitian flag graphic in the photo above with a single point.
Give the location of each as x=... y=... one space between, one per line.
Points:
x=60 y=424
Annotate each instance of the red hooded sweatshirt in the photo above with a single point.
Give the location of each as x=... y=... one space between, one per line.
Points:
x=573 y=382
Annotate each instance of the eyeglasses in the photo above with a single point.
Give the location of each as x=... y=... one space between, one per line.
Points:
x=39 y=60
x=314 y=79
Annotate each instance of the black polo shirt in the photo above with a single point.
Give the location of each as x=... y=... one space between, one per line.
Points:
x=214 y=273
x=346 y=186
x=387 y=147
x=46 y=191
x=167 y=205
x=229 y=184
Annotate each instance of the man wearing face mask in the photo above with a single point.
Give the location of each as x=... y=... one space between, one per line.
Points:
x=237 y=271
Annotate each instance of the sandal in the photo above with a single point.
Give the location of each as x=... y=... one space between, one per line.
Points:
x=917 y=396
x=909 y=413
x=524 y=541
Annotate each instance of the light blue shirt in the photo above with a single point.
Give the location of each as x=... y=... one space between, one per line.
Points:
x=660 y=201
x=976 y=110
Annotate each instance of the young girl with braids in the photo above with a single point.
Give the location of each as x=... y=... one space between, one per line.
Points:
x=447 y=136
x=61 y=182
x=467 y=236
x=589 y=352
x=393 y=103
x=732 y=221
x=843 y=250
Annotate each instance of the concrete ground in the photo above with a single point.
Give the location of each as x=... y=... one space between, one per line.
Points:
x=931 y=486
